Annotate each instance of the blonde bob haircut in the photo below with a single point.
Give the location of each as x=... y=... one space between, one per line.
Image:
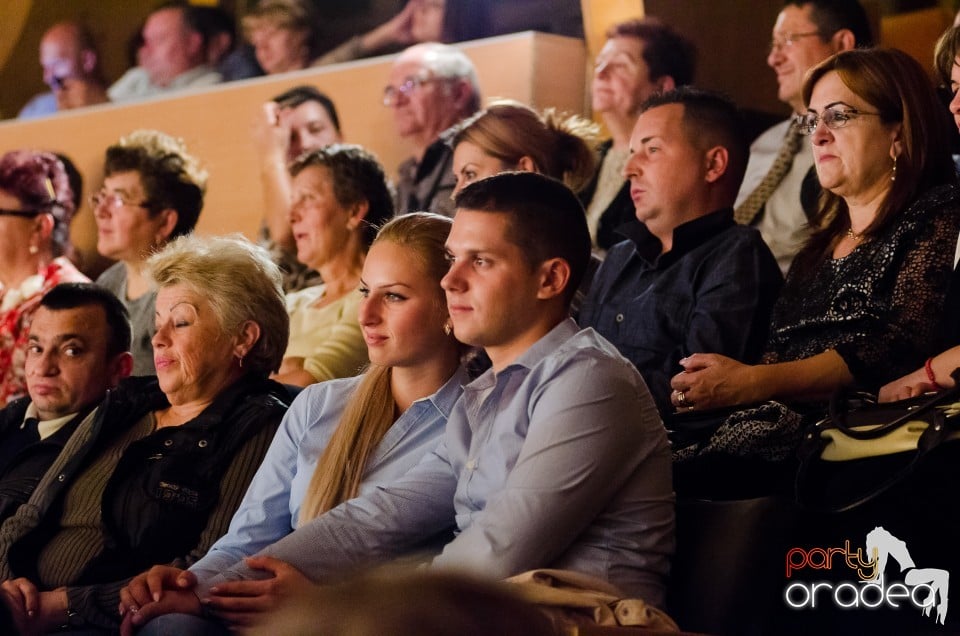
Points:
x=560 y=146
x=241 y=282
x=369 y=413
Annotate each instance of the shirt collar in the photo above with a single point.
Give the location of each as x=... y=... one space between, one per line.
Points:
x=46 y=428
x=446 y=396
x=539 y=350
x=686 y=236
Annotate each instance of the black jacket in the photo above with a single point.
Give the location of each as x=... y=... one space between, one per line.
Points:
x=22 y=471
x=160 y=498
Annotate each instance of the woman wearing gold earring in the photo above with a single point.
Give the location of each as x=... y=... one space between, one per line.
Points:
x=345 y=437
x=36 y=205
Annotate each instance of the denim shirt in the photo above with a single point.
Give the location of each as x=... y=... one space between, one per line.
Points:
x=559 y=460
x=711 y=293
x=270 y=510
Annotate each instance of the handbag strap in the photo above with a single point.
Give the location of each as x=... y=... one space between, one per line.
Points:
x=838 y=416
x=937 y=431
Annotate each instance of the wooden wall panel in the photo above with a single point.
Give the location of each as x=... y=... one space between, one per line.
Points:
x=543 y=70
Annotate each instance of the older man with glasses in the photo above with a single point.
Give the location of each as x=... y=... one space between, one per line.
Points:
x=431 y=88
x=780 y=188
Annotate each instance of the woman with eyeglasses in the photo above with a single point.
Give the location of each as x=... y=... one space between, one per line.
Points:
x=152 y=193
x=863 y=301
x=36 y=205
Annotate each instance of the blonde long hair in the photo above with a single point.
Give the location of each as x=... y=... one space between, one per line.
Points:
x=371 y=410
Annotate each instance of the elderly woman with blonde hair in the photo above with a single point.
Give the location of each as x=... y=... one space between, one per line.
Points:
x=156 y=472
x=342 y=438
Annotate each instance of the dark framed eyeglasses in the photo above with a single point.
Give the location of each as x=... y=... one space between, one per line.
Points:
x=22 y=213
x=833 y=118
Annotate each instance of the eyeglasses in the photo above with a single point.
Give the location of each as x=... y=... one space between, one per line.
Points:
x=787 y=40
x=21 y=213
x=392 y=94
x=114 y=201
x=832 y=118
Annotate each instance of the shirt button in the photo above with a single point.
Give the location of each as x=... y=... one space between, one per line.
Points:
x=168 y=442
x=619 y=318
x=61 y=477
x=472 y=464
x=202 y=443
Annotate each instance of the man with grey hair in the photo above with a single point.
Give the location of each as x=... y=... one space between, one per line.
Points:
x=431 y=88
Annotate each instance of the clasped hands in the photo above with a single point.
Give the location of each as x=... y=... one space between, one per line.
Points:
x=239 y=604
x=710 y=381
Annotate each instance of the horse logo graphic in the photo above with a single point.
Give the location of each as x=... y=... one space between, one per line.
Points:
x=885 y=546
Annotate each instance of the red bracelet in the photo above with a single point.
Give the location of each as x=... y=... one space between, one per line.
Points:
x=928 y=366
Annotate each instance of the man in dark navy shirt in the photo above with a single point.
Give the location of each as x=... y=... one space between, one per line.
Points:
x=689 y=278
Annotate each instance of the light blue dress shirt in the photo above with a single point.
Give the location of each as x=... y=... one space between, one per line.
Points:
x=270 y=510
x=559 y=460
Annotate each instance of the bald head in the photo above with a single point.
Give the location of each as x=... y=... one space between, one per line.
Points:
x=67 y=51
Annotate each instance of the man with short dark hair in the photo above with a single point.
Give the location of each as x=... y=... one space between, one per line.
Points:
x=641 y=57
x=431 y=87
x=688 y=279
x=780 y=188
x=78 y=349
x=173 y=56
x=553 y=458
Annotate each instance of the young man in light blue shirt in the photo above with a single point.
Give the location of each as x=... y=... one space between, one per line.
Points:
x=554 y=458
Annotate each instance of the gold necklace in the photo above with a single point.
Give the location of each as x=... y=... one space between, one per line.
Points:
x=856 y=237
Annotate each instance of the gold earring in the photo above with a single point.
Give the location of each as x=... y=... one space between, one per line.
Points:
x=33 y=249
x=448 y=327
x=893 y=175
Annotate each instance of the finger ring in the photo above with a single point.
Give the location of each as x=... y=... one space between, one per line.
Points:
x=682 y=399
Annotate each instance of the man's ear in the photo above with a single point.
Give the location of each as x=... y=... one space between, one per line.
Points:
x=843 y=40
x=554 y=278
x=462 y=95
x=195 y=48
x=119 y=368
x=88 y=61
x=716 y=159
x=665 y=83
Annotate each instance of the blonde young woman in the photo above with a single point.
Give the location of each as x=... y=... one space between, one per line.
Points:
x=347 y=436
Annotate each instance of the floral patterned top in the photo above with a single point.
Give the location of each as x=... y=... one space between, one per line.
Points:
x=17 y=306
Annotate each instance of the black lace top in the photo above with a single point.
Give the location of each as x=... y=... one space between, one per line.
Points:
x=882 y=306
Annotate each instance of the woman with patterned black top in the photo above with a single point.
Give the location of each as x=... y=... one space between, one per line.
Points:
x=863 y=301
